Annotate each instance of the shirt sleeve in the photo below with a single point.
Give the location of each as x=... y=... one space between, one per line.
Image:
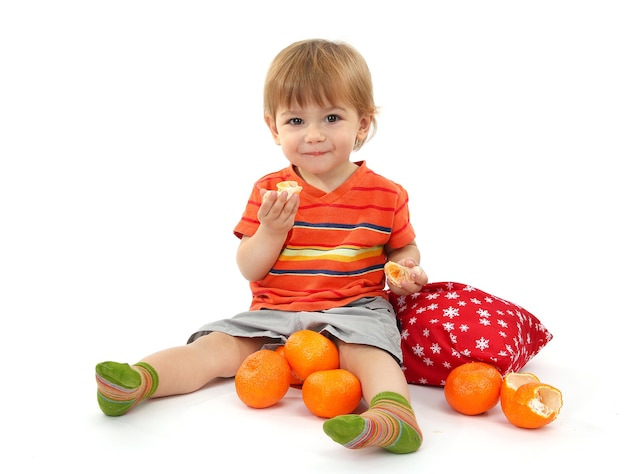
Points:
x=402 y=232
x=249 y=223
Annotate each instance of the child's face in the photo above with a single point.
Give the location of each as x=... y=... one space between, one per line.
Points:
x=318 y=139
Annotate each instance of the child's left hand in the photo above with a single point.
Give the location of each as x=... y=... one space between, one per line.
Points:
x=412 y=282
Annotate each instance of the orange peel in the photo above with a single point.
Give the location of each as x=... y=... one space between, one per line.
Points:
x=511 y=382
x=534 y=405
x=528 y=403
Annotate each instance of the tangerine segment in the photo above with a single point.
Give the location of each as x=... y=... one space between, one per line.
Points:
x=511 y=382
x=473 y=388
x=290 y=186
x=534 y=405
x=308 y=351
x=330 y=393
x=263 y=379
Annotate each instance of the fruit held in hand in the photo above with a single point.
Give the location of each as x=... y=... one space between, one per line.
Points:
x=396 y=273
x=290 y=187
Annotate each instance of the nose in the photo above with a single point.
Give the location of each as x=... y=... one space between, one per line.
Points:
x=314 y=134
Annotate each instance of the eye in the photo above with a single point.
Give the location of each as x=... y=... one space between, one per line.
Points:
x=295 y=121
x=332 y=118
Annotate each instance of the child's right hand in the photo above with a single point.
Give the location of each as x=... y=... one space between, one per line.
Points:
x=277 y=212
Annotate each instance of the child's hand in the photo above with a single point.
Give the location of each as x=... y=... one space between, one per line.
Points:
x=277 y=212
x=406 y=279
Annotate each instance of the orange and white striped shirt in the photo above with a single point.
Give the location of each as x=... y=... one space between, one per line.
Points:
x=335 y=252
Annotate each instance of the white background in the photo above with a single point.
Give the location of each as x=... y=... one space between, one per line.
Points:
x=121 y=124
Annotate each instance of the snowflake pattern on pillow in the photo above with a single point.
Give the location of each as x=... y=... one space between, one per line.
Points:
x=448 y=324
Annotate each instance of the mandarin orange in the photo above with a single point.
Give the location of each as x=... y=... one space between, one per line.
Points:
x=294 y=380
x=263 y=379
x=511 y=382
x=531 y=404
x=396 y=273
x=473 y=388
x=308 y=351
x=329 y=393
x=292 y=187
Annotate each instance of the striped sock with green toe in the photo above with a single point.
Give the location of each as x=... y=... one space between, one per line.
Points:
x=389 y=423
x=121 y=386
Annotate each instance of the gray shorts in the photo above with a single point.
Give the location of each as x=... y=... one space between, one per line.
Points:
x=368 y=321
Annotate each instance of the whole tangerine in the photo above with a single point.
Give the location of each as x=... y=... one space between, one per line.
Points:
x=308 y=351
x=294 y=381
x=263 y=379
x=329 y=393
x=473 y=388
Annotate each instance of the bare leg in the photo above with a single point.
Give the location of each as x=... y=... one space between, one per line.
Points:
x=173 y=371
x=375 y=368
x=185 y=369
x=389 y=422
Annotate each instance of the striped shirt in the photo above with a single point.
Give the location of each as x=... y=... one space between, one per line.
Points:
x=335 y=252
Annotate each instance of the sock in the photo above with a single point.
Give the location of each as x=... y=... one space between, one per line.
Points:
x=389 y=423
x=121 y=387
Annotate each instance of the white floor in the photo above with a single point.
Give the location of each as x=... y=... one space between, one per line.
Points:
x=121 y=122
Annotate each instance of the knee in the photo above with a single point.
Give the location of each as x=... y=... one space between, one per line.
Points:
x=230 y=350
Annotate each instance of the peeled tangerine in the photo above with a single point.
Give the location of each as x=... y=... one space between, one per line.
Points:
x=291 y=187
x=396 y=273
x=528 y=403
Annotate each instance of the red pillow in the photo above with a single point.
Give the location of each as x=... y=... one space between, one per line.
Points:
x=448 y=324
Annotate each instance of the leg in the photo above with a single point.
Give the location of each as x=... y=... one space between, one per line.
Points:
x=375 y=368
x=173 y=371
x=389 y=422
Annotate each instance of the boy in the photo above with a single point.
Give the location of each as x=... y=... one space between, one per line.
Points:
x=313 y=260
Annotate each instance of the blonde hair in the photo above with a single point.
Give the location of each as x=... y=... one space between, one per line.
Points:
x=317 y=72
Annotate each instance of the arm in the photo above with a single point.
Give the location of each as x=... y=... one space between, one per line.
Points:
x=408 y=256
x=257 y=253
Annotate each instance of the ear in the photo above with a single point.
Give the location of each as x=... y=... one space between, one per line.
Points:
x=271 y=124
x=364 y=127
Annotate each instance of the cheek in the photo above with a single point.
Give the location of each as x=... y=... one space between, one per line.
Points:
x=347 y=142
x=289 y=140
